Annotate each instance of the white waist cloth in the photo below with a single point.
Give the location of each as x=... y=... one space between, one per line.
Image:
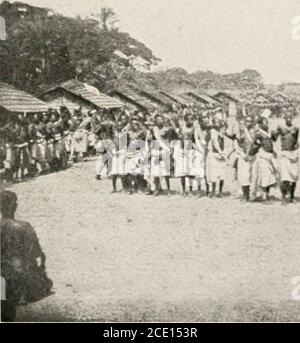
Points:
x=289 y=165
x=264 y=170
x=215 y=167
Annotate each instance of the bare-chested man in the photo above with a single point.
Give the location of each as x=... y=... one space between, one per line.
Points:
x=22 y=260
x=288 y=158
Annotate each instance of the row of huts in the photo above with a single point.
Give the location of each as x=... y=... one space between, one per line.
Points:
x=74 y=94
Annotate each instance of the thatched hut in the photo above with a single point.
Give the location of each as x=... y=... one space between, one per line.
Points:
x=14 y=101
x=74 y=94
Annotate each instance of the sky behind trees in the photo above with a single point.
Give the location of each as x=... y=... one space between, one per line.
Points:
x=219 y=35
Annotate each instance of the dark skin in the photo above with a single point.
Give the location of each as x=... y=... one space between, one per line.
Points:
x=120 y=125
x=22 y=139
x=222 y=129
x=8 y=307
x=189 y=123
x=248 y=125
x=289 y=142
x=266 y=144
x=137 y=133
x=53 y=118
x=159 y=121
x=45 y=119
x=205 y=126
x=289 y=121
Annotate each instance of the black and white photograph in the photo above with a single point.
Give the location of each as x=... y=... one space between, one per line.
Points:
x=149 y=162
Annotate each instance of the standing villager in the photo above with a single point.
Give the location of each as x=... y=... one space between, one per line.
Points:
x=265 y=166
x=161 y=154
x=245 y=157
x=135 y=153
x=118 y=153
x=216 y=158
x=8 y=141
x=62 y=126
x=22 y=149
x=288 y=158
x=189 y=153
x=103 y=147
x=147 y=158
x=205 y=126
x=81 y=137
x=92 y=133
x=73 y=125
x=58 y=146
x=65 y=117
x=33 y=148
x=42 y=146
x=49 y=122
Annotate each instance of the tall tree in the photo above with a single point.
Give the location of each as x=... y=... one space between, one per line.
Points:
x=46 y=49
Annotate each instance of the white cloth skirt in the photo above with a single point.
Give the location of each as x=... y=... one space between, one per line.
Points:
x=188 y=162
x=118 y=163
x=134 y=163
x=160 y=164
x=264 y=170
x=101 y=165
x=215 y=167
x=289 y=165
x=80 y=141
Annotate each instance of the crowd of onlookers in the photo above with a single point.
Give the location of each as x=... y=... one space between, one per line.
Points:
x=35 y=144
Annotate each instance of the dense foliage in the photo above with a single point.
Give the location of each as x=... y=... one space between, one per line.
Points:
x=43 y=48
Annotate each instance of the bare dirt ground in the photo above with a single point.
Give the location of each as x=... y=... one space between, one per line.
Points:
x=118 y=257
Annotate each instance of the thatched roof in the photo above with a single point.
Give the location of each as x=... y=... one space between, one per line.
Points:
x=266 y=97
x=133 y=97
x=282 y=97
x=203 y=98
x=175 y=97
x=86 y=93
x=220 y=95
x=156 y=97
x=238 y=96
x=15 y=100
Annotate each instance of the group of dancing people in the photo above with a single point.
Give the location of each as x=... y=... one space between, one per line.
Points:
x=143 y=150
x=45 y=142
x=147 y=150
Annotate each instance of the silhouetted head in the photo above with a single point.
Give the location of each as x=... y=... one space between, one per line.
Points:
x=123 y=120
x=189 y=119
x=45 y=118
x=264 y=124
x=288 y=119
x=249 y=122
x=159 y=120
